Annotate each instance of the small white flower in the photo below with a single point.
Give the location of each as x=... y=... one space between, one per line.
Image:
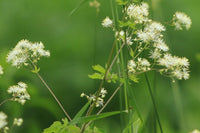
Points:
x=99 y=102
x=19 y=92
x=82 y=94
x=3 y=121
x=107 y=22
x=195 y=131
x=129 y=41
x=131 y=66
x=151 y=32
x=18 y=121
x=103 y=92
x=184 y=62
x=1 y=70
x=185 y=74
x=180 y=20
x=155 y=54
x=25 y=51
x=160 y=44
x=177 y=73
x=143 y=62
x=138 y=12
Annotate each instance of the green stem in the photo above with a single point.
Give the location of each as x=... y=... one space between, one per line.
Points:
x=100 y=87
x=154 y=103
x=59 y=103
x=5 y=101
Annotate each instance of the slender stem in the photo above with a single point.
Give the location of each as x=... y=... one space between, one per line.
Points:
x=6 y=101
x=115 y=58
x=100 y=87
x=59 y=103
x=154 y=103
x=104 y=106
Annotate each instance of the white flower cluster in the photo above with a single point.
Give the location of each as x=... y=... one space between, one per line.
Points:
x=1 y=70
x=195 y=131
x=107 y=22
x=151 y=32
x=149 y=37
x=19 y=92
x=141 y=64
x=3 y=121
x=138 y=12
x=18 y=121
x=100 y=100
x=181 y=20
x=25 y=51
x=177 y=66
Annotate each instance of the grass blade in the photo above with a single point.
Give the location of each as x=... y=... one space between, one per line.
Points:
x=77 y=7
x=94 y=117
x=84 y=108
x=154 y=103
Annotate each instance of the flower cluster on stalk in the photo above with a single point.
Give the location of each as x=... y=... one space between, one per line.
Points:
x=93 y=98
x=19 y=92
x=145 y=37
x=26 y=52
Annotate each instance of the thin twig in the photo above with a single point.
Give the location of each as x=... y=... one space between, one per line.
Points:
x=50 y=90
x=6 y=101
x=104 y=106
x=115 y=58
x=59 y=103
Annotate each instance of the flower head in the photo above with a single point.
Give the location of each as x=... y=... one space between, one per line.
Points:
x=18 y=121
x=138 y=12
x=181 y=20
x=1 y=70
x=3 y=121
x=25 y=51
x=19 y=92
x=107 y=22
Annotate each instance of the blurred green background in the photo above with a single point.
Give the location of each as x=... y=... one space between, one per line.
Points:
x=78 y=42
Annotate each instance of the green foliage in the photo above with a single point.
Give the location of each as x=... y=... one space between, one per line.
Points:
x=94 y=130
x=94 y=117
x=198 y=57
x=131 y=52
x=80 y=113
x=36 y=70
x=121 y=2
x=58 y=127
x=111 y=77
x=126 y=24
x=136 y=125
x=133 y=77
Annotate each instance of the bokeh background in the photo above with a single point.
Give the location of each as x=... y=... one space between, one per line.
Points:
x=76 y=43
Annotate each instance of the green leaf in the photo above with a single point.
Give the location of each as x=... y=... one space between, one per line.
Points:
x=136 y=124
x=80 y=113
x=110 y=77
x=121 y=2
x=94 y=117
x=131 y=52
x=58 y=127
x=198 y=57
x=96 y=76
x=36 y=70
x=94 y=130
x=133 y=78
x=99 y=68
x=126 y=24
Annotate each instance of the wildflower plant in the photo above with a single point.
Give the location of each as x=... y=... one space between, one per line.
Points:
x=135 y=32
